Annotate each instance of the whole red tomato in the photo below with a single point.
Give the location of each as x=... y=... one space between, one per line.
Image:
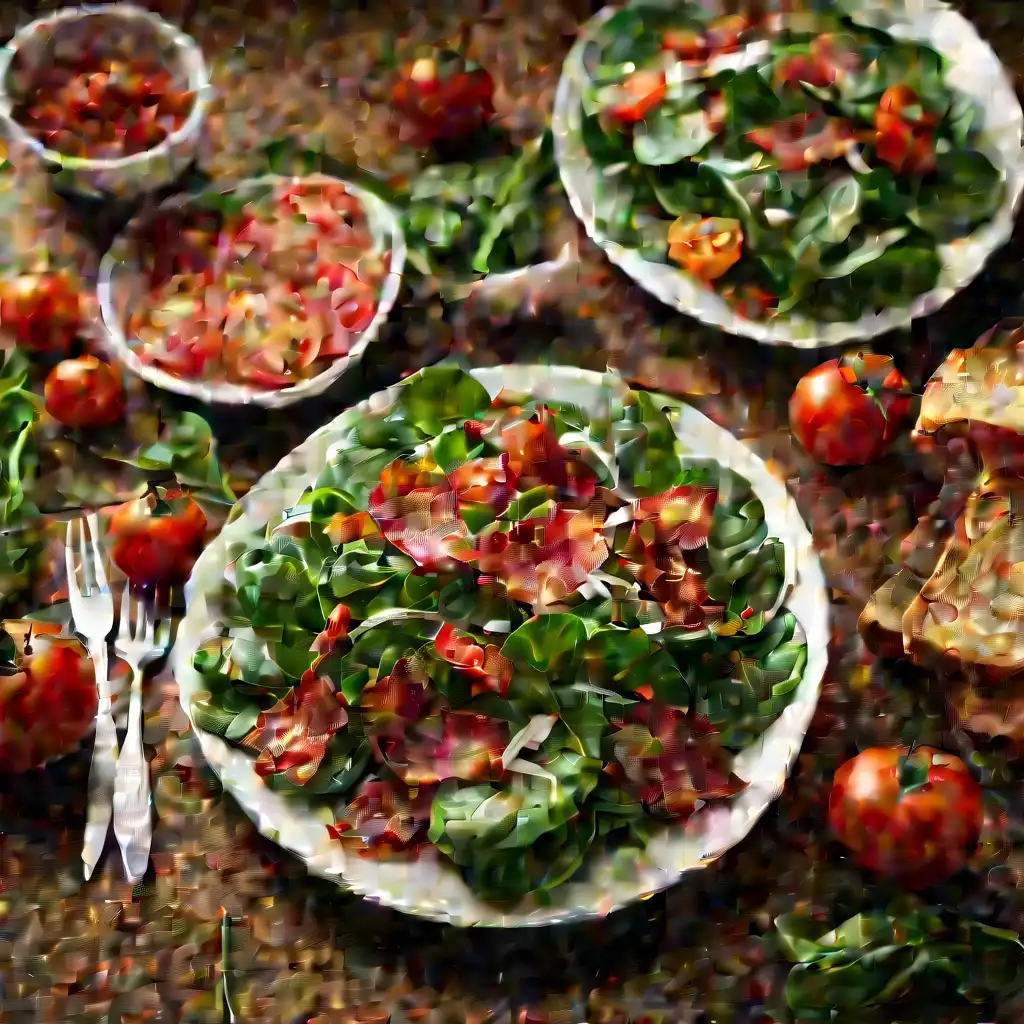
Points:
x=47 y=704
x=157 y=538
x=84 y=392
x=442 y=98
x=848 y=411
x=41 y=311
x=913 y=815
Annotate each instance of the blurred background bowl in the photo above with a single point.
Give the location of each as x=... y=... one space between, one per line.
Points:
x=32 y=50
x=126 y=272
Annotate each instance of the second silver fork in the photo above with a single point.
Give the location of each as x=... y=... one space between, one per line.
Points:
x=137 y=645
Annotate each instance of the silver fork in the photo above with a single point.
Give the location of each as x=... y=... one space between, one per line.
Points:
x=92 y=610
x=133 y=820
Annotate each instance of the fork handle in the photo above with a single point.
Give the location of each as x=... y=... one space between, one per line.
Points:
x=101 y=769
x=133 y=818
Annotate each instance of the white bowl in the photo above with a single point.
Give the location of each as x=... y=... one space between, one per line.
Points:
x=975 y=70
x=124 y=177
x=122 y=285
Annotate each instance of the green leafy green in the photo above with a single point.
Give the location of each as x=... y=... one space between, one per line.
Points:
x=892 y=962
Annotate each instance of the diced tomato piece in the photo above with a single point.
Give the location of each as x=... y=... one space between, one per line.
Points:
x=640 y=93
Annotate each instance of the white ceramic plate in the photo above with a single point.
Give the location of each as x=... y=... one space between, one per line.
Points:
x=121 y=286
x=432 y=888
x=975 y=70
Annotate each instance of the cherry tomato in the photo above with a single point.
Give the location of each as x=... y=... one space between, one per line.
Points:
x=639 y=94
x=157 y=538
x=42 y=311
x=902 y=102
x=47 y=705
x=913 y=815
x=442 y=99
x=84 y=392
x=847 y=411
x=706 y=247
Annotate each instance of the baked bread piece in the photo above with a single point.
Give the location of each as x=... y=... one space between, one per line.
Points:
x=978 y=394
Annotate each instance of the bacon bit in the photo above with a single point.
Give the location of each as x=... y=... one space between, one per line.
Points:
x=417 y=510
x=489 y=668
x=532 y=457
x=292 y=737
x=444 y=745
x=483 y=481
x=540 y=561
x=680 y=516
x=670 y=761
x=384 y=817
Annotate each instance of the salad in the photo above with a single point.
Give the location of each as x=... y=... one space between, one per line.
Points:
x=504 y=632
x=106 y=88
x=800 y=166
x=262 y=291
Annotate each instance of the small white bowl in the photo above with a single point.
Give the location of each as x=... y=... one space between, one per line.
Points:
x=121 y=286
x=124 y=177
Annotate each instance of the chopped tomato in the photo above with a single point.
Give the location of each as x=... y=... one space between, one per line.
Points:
x=639 y=94
x=902 y=102
x=706 y=247
x=687 y=44
x=799 y=142
x=723 y=34
x=904 y=148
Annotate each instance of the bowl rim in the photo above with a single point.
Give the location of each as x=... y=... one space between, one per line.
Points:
x=188 y=49
x=223 y=392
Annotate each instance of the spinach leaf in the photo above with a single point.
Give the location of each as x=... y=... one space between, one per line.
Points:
x=670 y=134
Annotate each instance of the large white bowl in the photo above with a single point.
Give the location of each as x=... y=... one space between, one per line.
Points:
x=122 y=285
x=433 y=888
x=124 y=177
x=975 y=70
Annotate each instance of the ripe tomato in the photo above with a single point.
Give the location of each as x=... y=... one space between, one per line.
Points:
x=42 y=311
x=847 y=411
x=902 y=139
x=157 y=538
x=707 y=247
x=47 y=705
x=639 y=94
x=913 y=815
x=84 y=392
x=442 y=98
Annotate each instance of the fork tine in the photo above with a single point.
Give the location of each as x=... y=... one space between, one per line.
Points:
x=164 y=639
x=69 y=557
x=97 y=553
x=124 y=623
x=83 y=557
x=139 y=632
